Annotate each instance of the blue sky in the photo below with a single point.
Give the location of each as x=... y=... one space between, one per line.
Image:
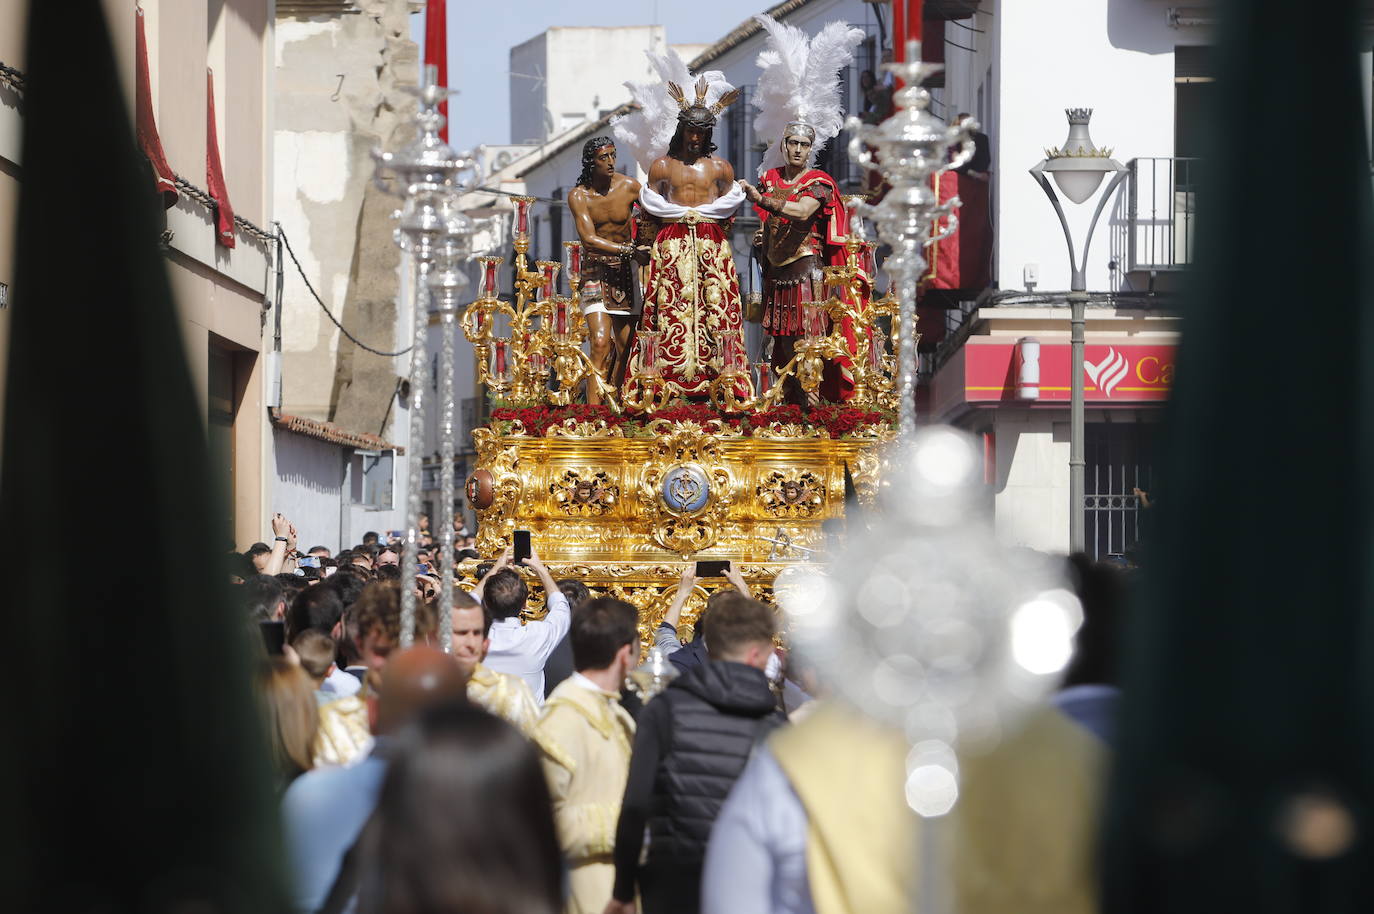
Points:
x=482 y=34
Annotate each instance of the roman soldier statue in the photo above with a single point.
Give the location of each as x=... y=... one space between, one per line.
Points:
x=804 y=222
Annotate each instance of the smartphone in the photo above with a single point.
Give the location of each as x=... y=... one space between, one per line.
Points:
x=422 y=568
x=273 y=636
x=308 y=561
x=713 y=569
x=522 y=547
x=395 y=534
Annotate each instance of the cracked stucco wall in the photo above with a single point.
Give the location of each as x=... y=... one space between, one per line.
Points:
x=338 y=97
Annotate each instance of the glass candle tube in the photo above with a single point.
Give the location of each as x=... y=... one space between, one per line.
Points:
x=560 y=316
x=548 y=271
x=500 y=365
x=763 y=378
x=572 y=260
x=522 y=217
x=489 y=265
x=732 y=352
x=648 y=353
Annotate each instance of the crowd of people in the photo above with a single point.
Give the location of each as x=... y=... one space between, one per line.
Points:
x=519 y=772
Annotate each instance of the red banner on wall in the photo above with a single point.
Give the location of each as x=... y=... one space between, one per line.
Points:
x=1112 y=373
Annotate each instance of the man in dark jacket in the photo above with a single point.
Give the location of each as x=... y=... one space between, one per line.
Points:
x=692 y=743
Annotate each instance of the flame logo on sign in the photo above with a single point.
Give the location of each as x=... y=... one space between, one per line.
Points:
x=1109 y=372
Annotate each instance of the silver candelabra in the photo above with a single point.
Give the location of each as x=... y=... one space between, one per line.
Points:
x=438 y=236
x=910 y=150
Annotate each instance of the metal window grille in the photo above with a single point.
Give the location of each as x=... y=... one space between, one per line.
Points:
x=1120 y=461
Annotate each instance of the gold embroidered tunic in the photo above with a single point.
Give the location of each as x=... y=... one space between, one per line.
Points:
x=345 y=733
x=585 y=738
x=504 y=695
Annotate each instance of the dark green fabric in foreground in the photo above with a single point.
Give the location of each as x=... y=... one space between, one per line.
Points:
x=1248 y=704
x=134 y=773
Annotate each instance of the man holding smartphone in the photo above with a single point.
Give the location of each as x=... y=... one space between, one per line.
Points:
x=522 y=648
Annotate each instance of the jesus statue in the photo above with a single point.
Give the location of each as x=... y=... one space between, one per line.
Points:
x=691 y=295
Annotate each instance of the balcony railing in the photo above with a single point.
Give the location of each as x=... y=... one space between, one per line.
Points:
x=1161 y=215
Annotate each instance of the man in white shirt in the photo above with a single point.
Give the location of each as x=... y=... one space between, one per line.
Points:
x=519 y=647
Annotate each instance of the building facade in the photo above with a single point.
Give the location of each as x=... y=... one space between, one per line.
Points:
x=221 y=291
x=341 y=338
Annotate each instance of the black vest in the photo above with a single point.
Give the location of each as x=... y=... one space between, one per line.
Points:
x=716 y=714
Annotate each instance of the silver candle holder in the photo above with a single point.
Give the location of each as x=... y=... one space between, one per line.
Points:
x=908 y=150
x=435 y=233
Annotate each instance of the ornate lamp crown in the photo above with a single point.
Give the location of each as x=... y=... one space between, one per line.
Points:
x=1078 y=145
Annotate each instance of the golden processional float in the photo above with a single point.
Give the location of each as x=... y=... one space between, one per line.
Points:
x=622 y=494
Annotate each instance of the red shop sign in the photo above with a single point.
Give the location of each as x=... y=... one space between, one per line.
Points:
x=1112 y=373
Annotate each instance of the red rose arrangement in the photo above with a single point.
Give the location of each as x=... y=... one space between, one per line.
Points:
x=838 y=420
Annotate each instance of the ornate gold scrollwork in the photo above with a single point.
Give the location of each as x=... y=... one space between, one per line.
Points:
x=591 y=495
x=583 y=428
x=800 y=496
x=496 y=521
x=791 y=430
x=867 y=473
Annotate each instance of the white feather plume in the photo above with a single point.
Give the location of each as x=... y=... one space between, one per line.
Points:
x=647 y=132
x=800 y=82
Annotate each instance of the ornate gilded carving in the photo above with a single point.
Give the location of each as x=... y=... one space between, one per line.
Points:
x=589 y=495
x=502 y=461
x=790 y=430
x=686 y=487
x=693 y=487
x=802 y=495
x=583 y=428
x=866 y=471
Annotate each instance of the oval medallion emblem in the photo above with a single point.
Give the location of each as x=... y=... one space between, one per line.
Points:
x=685 y=489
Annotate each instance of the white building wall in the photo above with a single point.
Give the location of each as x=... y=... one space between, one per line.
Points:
x=567 y=76
x=1114 y=57
x=309 y=486
x=528 y=86
x=1031 y=504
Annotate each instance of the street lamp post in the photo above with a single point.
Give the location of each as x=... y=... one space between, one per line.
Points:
x=1078 y=169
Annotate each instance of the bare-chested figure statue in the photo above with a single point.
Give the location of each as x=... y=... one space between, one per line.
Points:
x=602 y=206
x=691 y=296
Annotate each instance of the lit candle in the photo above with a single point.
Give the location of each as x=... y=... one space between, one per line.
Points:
x=522 y=216
x=560 y=317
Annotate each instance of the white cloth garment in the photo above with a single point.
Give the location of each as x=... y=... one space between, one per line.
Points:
x=341 y=684
x=522 y=650
x=720 y=208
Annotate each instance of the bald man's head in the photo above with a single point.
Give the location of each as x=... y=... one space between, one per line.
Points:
x=416 y=679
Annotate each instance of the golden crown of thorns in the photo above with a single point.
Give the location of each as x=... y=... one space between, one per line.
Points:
x=720 y=104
